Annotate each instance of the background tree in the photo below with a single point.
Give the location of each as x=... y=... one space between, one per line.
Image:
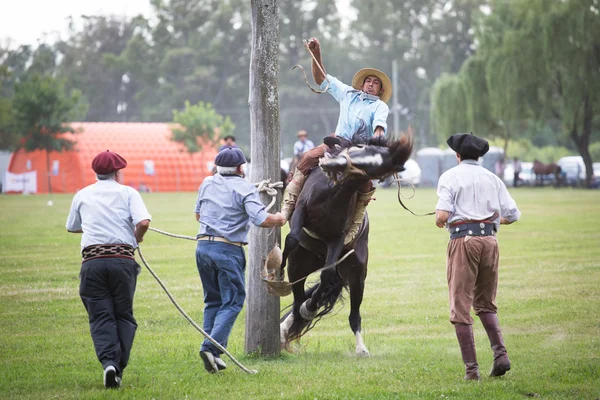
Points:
x=41 y=113
x=542 y=72
x=8 y=139
x=199 y=124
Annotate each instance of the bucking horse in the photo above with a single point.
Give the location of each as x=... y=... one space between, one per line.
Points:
x=322 y=217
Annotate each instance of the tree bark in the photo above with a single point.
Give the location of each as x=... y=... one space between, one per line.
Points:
x=584 y=140
x=262 y=310
x=48 y=171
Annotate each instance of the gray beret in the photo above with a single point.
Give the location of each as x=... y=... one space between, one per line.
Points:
x=230 y=157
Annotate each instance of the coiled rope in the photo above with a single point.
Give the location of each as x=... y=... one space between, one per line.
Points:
x=263 y=186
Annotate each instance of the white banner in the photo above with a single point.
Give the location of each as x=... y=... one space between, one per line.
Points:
x=149 y=167
x=23 y=183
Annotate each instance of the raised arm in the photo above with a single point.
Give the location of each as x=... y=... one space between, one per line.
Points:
x=318 y=73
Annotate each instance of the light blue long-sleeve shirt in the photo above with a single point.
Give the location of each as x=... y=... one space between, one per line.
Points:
x=355 y=108
x=471 y=192
x=227 y=205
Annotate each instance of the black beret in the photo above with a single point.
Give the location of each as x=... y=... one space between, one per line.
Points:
x=467 y=144
x=230 y=157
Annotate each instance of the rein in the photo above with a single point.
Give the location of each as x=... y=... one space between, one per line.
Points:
x=318 y=66
x=400 y=196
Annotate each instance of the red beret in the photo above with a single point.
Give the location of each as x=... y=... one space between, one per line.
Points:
x=108 y=162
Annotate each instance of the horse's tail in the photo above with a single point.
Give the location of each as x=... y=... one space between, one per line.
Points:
x=330 y=296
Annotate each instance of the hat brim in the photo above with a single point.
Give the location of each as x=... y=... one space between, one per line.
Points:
x=359 y=78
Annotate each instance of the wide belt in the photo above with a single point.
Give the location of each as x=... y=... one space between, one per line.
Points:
x=108 y=250
x=219 y=239
x=472 y=229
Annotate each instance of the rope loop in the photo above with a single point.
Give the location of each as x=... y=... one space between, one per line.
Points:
x=270 y=189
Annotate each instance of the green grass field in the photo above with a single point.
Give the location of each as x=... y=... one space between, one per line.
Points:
x=549 y=304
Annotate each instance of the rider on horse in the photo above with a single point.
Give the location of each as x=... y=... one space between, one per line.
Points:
x=361 y=103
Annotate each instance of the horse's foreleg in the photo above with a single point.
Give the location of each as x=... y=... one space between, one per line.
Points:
x=284 y=327
x=292 y=240
x=357 y=289
x=334 y=250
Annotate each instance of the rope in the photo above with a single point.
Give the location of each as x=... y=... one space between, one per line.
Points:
x=270 y=189
x=173 y=234
x=318 y=66
x=399 y=181
x=191 y=321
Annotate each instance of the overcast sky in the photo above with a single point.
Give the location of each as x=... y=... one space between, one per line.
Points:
x=25 y=21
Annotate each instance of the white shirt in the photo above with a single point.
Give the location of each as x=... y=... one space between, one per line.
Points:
x=301 y=147
x=107 y=212
x=471 y=192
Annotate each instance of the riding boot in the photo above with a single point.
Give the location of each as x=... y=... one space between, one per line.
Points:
x=464 y=334
x=292 y=191
x=492 y=327
x=359 y=214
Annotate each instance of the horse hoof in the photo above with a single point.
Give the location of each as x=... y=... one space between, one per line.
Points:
x=306 y=314
x=362 y=352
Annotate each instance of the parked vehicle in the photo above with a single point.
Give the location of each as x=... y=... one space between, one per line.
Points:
x=526 y=176
x=573 y=170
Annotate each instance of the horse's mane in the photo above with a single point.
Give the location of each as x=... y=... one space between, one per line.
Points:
x=359 y=138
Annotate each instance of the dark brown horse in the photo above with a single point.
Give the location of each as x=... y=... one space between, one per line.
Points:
x=541 y=170
x=323 y=215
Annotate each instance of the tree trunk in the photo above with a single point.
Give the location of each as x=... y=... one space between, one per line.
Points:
x=584 y=149
x=262 y=310
x=582 y=141
x=48 y=171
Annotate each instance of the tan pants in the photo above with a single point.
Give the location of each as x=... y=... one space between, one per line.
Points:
x=472 y=270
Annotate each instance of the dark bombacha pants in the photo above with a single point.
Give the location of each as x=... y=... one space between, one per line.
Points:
x=106 y=289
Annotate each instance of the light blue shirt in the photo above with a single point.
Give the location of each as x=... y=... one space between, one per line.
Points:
x=301 y=147
x=471 y=192
x=355 y=107
x=107 y=212
x=227 y=205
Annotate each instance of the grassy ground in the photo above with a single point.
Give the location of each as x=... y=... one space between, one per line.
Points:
x=549 y=297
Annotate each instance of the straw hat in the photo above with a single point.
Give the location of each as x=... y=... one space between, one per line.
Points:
x=386 y=83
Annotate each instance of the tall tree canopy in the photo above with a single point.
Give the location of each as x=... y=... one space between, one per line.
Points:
x=41 y=113
x=541 y=62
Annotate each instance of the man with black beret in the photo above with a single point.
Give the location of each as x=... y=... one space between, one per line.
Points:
x=473 y=203
x=226 y=205
x=113 y=220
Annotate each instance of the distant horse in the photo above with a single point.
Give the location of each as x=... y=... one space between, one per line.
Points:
x=540 y=170
x=323 y=214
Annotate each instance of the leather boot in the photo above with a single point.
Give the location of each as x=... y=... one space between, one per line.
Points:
x=359 y=214
x=492 y=327
x=292 y=191
x=464 y=334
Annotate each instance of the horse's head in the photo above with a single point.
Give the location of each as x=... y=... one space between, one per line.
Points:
x=374 y=160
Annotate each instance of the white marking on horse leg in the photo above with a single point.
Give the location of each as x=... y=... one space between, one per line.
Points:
x=361 y=349
x=284 y=327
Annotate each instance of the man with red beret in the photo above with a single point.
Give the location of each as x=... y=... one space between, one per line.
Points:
x=473 y=203
x=113 y=220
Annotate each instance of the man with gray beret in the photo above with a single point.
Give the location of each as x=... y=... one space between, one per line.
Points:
x=226 y=205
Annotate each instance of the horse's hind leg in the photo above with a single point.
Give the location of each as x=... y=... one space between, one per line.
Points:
x=357 y=289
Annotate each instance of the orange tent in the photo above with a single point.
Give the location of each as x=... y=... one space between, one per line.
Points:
x=152 y=158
